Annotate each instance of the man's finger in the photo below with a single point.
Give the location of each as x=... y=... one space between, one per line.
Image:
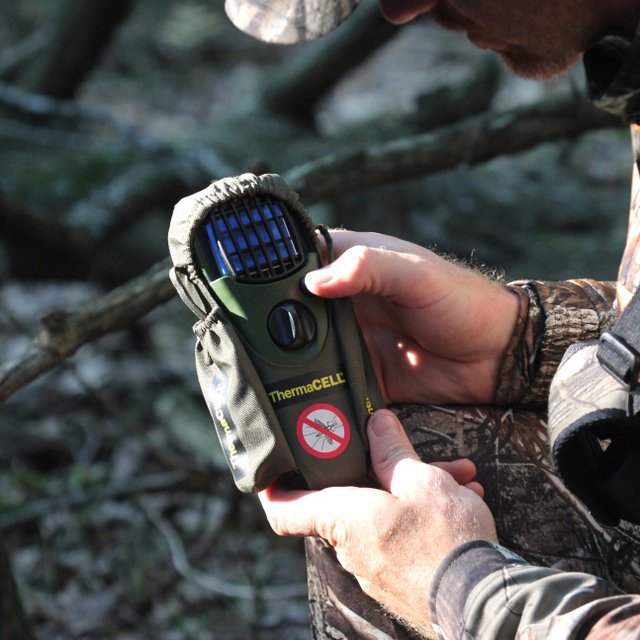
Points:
x=476 y=487
x=393 y=458
x=309 y=513
x=290 y=513
x=344 y=239
x=463 y=470
x=380 y=272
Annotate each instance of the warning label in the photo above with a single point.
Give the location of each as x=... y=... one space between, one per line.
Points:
x=323 y=431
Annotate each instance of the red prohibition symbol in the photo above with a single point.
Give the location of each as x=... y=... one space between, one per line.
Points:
x=323 y=431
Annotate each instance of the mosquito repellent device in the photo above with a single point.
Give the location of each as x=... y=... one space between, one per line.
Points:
x=252 y=250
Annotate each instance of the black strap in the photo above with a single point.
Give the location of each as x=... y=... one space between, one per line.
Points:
x=619 y=349
x=619 y=466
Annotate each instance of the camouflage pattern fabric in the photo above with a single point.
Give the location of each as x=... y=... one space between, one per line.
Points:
x=288 y=21
x=553 y=316
x=507 y=598
x=536 y=516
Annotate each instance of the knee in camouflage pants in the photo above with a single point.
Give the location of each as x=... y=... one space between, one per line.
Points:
x=535 y=515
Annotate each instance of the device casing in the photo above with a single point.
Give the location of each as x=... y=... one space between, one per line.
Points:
x=296 y=415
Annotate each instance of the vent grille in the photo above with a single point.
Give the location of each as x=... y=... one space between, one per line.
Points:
x=252 y=239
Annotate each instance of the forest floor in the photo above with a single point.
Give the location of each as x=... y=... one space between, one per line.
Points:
x=116 y=504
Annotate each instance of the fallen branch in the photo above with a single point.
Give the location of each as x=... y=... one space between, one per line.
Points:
x=64 y=332
x=469 y=142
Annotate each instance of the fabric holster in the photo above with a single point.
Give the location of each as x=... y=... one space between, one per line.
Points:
x=258 y=448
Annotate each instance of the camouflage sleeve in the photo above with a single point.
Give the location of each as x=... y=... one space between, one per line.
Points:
x=553 y=315
x=484 y=591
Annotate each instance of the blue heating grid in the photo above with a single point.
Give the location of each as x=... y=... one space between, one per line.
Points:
x=250 y=239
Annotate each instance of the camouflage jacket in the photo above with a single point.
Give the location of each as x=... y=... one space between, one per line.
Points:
x=482 y=590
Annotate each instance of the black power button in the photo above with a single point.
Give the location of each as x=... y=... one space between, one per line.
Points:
x=291 y=325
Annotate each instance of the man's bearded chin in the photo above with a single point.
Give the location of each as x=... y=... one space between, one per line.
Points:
x=522 y=62
x=535 y=67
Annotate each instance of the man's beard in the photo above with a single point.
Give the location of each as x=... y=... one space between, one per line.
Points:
x=523 y=63
x=534 y=67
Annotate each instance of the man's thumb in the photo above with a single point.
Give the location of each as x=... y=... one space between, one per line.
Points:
x=392 y=455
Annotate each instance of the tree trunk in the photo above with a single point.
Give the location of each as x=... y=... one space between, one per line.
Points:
x=13 y=621
x=81 y=32
x=316 y=69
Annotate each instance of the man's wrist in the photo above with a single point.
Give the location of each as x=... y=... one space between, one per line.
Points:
x=553 y=316
x=518 y=362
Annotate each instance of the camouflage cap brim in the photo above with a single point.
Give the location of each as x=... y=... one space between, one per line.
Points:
x=288 y=21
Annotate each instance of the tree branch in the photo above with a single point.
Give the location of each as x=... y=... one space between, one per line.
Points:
x=64 y=332
x=469 y=142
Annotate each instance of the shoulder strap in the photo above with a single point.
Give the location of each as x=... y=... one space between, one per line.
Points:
x=619 y=349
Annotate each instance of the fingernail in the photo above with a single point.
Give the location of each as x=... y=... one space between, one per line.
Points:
x=382 y=423
x=318 y=278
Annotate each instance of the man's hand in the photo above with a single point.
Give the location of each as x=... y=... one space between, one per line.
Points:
x=393 y=538
x=436 y=331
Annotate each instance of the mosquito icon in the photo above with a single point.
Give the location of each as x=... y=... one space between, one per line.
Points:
x=323 y=431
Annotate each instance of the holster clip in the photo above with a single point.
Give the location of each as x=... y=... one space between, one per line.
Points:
x=619 y=359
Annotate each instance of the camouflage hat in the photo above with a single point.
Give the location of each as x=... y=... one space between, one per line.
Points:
x=288 y=21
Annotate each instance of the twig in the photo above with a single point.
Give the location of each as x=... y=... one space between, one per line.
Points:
x=38 y=107
x=15 y=56
x=64 y=332
x=37 y=509
x=210 y=582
